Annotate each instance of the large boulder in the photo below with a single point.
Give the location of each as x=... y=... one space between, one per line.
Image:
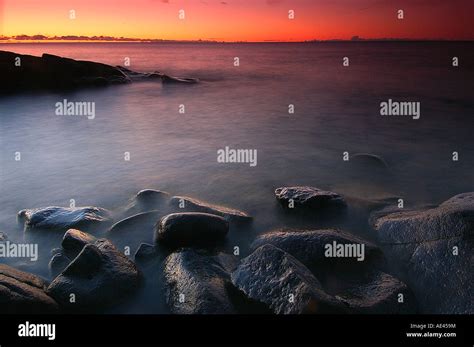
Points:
x=63 y=218
x=59 y=261
x=434 y=249
x=348 y=268
x=310 y=247
x=191 y=229
x=195 y=205
x=99 y=276
x=196 y=282
x=275 y=278
x=309 y=199
x=23 y=293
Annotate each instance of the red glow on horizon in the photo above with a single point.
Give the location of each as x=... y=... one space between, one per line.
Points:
x=239 y=20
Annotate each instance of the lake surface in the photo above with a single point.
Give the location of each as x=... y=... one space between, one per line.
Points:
x=337 y=109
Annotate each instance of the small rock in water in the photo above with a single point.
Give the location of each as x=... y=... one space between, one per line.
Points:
x=367 y=160
x=194 y=205
x=434 y=248
x=147 y=218
x=304 y=198
x=170 y=79
x=146 y=200
x=3 y=237
x=196 y=282
x=191 y=229
x=23 y=293
x=277 y=279
x=99 y=276
x=145 y=252
x=74 y=241
x=62 y=218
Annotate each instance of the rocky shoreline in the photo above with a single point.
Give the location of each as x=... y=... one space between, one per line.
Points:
x=50 y=72
x=421 y=261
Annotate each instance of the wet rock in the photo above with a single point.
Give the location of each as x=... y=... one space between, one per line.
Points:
x=146 y=200
x=196 y=282
x=3 y=237
x=310 y=247
x=74 y=241
x=23 y=293
x=434 y=248
x=62 y=218
x=378 y=293
x=194 y=205
x=143 y=219
x=58 y=263
x=145 y=252
x=191 y=229
x=99 y=276
x=304 y=198
x=273 y=277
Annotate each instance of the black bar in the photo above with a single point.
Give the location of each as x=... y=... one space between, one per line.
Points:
x=231 y=329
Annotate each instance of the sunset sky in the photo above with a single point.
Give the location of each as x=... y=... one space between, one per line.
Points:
x=240 y=20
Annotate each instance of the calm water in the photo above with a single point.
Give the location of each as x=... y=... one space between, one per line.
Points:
x=336 y=110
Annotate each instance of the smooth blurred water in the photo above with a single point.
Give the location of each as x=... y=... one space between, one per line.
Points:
x=336 y=110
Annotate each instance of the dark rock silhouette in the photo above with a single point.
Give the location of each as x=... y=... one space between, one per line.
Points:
x=25 y=72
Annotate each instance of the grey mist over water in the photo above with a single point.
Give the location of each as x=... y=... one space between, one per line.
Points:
x=336 y=110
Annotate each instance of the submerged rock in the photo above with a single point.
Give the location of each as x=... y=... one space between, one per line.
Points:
x=98 y=277
x=62 y=218
x=368 y=161
x=3 y=237
x=145 y=252
x=147 y=218
x=23 y=293
x=196 y=282
x=191 y=229
x=434 y=248
x=181 y=80
x=74 y=241
x=277 y=279
x=304 y=198
x=195 y=205
x=146 y=200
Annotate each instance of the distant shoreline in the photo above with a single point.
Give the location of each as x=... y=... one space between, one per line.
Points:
x=234 y=42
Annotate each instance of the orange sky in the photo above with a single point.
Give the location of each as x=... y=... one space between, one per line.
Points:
x=240 y=20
